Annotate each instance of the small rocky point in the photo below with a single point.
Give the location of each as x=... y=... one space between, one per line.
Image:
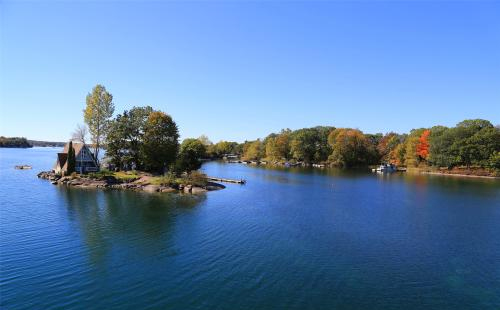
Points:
x=113 y=183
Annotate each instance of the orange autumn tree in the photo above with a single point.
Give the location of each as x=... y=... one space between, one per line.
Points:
x=423 y=144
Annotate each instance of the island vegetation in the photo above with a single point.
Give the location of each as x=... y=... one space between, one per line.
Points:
x=19 y=142
x=142 y=150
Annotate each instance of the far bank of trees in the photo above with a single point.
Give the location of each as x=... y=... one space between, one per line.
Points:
x=470 y=143
x=14 y=142
x=146 y=139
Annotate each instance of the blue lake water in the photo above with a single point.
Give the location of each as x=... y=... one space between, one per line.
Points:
x=288 y=239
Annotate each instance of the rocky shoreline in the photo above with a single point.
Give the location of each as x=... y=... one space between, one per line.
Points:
x=140 y=184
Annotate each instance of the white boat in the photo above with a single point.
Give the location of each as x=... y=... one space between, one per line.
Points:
x=386 y=168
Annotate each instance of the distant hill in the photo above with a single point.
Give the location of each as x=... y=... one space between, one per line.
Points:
x=21 y=142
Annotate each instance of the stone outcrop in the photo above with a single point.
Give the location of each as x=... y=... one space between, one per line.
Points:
x=151 y=188
x=110 y=182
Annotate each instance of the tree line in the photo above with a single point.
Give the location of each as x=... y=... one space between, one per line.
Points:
x=14 y=142
x=146 y=139
x=473 y=142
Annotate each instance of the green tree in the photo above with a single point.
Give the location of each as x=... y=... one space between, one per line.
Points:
x=440 y=140
x=470 y=142
x=99 y=109
x=161 y=142
x=477 y=149
x=125 y=137
x=303 y=145
x=323 y=148
x=117 y=145
x=190 y=155
x=138 y=117
x=71 y=159
x=494 y=161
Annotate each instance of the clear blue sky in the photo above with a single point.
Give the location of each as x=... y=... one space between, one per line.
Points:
x=240 y=70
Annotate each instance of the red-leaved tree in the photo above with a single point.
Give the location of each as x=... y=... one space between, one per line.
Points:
x=423 y=145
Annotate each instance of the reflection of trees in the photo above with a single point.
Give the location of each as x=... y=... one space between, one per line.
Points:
x=455 y=185
x=83 y=208
x=302 y=175
x=140 y=223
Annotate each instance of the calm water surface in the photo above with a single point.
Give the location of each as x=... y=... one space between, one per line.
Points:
x=289 y=239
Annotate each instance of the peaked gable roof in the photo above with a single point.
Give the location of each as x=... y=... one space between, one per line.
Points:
x=62 y=158
x=76 y=146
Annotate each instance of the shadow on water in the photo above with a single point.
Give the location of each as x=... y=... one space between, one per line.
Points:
x=111 y=219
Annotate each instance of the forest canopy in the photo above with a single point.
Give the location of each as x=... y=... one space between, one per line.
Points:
x=474 y=142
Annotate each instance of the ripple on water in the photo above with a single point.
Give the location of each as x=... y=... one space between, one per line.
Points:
x=288 y=239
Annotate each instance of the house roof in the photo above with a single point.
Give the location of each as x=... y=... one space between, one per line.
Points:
x=76 y=146
x=62 y=158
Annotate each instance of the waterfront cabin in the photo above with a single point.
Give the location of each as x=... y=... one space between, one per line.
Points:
x=85 y=160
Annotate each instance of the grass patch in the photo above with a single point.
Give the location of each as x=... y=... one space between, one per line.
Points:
x=167 y=179
x=126 y=176
x=101 y=174
x=195 y=178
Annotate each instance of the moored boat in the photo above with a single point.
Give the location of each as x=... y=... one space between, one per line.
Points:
x=22 y=167
x=385 y=168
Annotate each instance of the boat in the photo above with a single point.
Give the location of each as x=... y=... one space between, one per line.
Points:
x=23 y=167
x=385 y=168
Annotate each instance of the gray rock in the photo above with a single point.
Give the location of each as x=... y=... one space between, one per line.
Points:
x=167 y=190
x=198 y=190
x=151 y=188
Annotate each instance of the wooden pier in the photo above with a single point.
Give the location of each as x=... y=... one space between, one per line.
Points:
x=226 y=180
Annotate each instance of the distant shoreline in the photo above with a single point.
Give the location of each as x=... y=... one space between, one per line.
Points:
x=471 y=173
x=23 y=143
x=459 y=175
x=28 y=147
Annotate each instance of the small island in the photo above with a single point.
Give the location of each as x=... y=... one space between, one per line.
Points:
x=142 y=152
x=194 y=183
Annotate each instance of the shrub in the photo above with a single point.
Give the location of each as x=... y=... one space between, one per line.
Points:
x=168 y=179
x=196 y=178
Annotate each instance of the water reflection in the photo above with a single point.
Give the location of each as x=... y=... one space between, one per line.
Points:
x=112 y=219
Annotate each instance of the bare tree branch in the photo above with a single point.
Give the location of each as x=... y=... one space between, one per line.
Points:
x=80 y=133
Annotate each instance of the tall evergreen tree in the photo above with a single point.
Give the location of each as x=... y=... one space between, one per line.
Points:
x=71 y=159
